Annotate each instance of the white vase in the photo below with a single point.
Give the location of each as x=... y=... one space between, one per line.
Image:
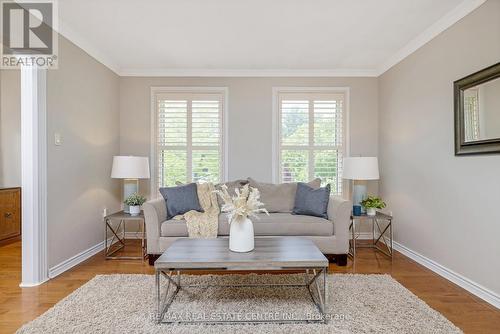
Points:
x=241 y=237
x=135 y=210
x=371 y=211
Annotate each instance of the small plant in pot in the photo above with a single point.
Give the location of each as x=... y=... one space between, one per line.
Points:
x=134 y=202
x=371 y=204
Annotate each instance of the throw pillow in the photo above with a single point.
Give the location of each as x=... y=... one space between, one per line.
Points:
x=310 y=201
x=181 y=199
x=279 y=197
x=231 y=186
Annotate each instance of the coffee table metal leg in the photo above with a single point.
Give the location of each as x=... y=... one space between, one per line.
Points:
x=325 y=295
x=320 y=301
x=158 y=304
x=164 y=301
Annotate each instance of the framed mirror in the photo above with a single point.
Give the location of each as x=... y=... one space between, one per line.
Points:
x=477 y=112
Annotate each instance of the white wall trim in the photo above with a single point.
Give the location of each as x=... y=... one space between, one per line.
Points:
x=75 y=260
x=163 y=72
x=275 y=121
x=452 y=17
x=474 y=288
x=463 y=282
x=34 y=176
x=225 y=127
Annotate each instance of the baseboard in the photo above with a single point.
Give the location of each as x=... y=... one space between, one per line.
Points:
x=463 y=282
x=58 y=269
x=30 y=285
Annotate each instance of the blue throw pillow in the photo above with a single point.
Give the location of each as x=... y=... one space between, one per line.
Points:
x=181 y=199
x=310 y=201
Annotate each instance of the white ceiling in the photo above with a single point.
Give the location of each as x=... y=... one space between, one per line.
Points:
x=255 y=37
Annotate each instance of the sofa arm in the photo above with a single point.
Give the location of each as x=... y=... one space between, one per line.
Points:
x=155 y=213
x=339 y=212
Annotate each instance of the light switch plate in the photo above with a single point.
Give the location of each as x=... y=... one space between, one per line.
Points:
x=57 y=139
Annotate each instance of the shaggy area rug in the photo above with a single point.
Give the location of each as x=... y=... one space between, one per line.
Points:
x=356 y=304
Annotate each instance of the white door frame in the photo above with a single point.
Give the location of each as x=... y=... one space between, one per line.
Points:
x=34 y=176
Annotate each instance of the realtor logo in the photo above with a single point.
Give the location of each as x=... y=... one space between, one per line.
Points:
x=29 y=35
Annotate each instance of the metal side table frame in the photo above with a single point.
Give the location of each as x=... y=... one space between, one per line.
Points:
x=385 y=234
x=118 y=235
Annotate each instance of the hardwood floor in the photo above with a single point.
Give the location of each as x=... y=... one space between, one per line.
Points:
x=18 y=306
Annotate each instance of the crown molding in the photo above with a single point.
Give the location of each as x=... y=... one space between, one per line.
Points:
x=161 y=72
x=430 y=33
x=77 y=39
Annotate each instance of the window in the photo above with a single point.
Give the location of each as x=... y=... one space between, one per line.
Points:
x=310 y=135
x=188 y=135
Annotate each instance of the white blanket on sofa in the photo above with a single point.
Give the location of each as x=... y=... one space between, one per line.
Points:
x=203 y=224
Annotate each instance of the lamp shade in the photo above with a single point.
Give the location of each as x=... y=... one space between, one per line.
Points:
x=360 y=168
x=130 y=167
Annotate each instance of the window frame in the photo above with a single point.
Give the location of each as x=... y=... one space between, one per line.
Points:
x=277 y=92
x=158 y=91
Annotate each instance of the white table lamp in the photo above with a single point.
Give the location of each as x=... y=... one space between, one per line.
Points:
x=357 y=169
x=131 y=169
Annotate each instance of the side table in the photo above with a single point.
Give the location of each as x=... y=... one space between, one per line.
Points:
x=384 y=235
x=118 y=235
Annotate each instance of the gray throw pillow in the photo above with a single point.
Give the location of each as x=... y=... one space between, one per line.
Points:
x=279 y=197
x=181 y=199
x=310 y=201
x=231 y=186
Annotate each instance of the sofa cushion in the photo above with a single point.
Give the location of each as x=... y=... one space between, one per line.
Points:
x=282 y=224
x=181 y=199
x=279 y=197
x=310 y=201
x=276 y=224
x=178 y=228
x=174 y=228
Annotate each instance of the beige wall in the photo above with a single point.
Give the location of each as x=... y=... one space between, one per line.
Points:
x=82 y=105
x=250 y=118
x=446 y=207
x=10 y=128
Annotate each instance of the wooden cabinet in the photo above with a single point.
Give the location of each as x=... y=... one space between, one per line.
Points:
x=10 y=213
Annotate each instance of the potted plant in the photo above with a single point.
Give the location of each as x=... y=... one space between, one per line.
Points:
x=371 y=203
x=134 y=202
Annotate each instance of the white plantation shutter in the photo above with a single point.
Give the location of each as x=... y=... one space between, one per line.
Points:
x=189 y=133
x=311 y=141
x=206 y=134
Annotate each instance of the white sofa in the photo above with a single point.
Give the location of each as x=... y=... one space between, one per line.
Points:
x=330 y=235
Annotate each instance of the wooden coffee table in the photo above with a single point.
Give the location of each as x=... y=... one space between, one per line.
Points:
x=270 y=254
